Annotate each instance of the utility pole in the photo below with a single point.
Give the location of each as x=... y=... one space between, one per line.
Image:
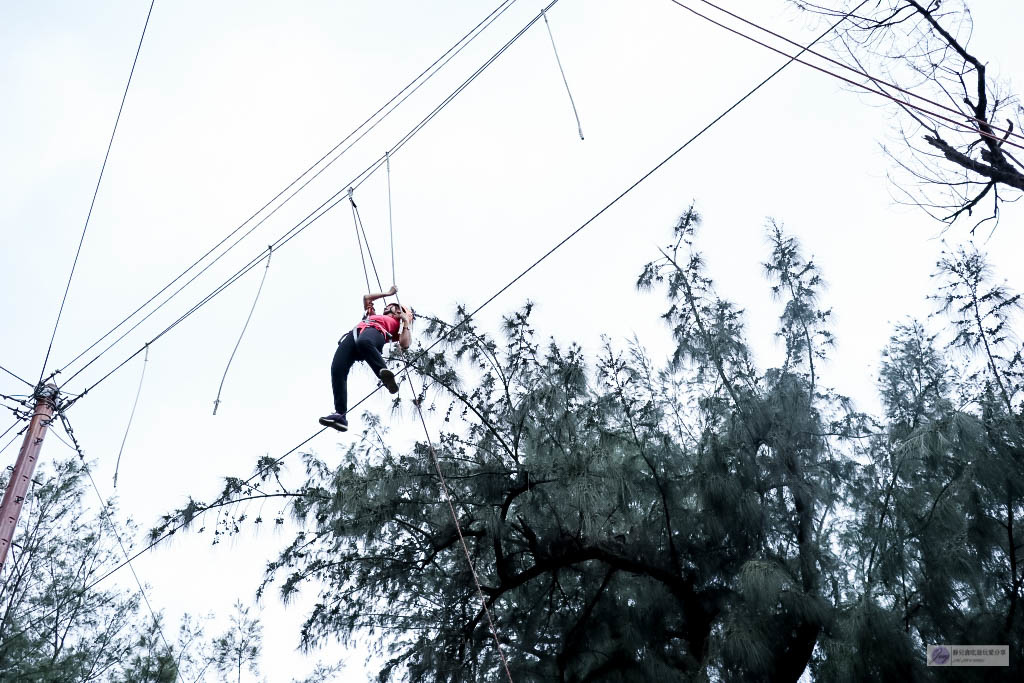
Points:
x=17 y=487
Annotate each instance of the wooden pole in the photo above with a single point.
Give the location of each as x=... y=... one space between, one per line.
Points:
x=17 y=487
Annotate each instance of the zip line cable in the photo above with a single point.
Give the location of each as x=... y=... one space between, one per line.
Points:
x=110 y=523
x=318 y=212
x=411 y=87
x=469 y=317
x=92 y=203
x=138 y=392
x=26 y=382
x=861 y=86
x=860 y=72
x=579 y=126
x=259 y=290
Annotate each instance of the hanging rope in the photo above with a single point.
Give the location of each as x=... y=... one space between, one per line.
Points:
x=458 y=528
x=433 y=453
x=391 y=225
x=138 y=392
x=216 y=402
x=551 y=35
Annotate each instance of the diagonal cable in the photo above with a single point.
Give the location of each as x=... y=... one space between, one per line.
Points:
x=95 y=192
x=579 y=126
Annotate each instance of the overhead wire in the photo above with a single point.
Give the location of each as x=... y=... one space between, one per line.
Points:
x=25 y=381
x=322 y=209
x=859 y=72
x=266 y=467
x=96 y=191
x=411 y=88
x=861 y=86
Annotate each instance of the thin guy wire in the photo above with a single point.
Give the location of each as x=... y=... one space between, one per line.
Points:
x=318 y=212
x=27 y=383
x=138 y=392
x=861 y=86
x=860 y=72
x=450 y=54
x=522 y=274
x=579 y=126
x=266 y=269
x=458 y=527
x=106 y=515
x=95 y=192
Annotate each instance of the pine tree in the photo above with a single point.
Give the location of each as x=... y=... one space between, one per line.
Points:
x=701 y=519
x=51 y=627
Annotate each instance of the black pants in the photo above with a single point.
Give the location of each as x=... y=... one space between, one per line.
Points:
x=366 y=348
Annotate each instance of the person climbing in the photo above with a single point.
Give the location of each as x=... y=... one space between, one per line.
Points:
x=365 y=342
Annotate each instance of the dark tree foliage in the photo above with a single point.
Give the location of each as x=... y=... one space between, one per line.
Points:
x=51 y=628
x=700 y=519
x=947 y=166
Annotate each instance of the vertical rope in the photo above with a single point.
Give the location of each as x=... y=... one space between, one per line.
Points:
x=579 y=126
x=216 y=402
x=138 y=392
x=458 y=528
x=391 y=224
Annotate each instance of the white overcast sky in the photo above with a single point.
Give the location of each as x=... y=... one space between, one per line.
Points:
x=232 y=100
